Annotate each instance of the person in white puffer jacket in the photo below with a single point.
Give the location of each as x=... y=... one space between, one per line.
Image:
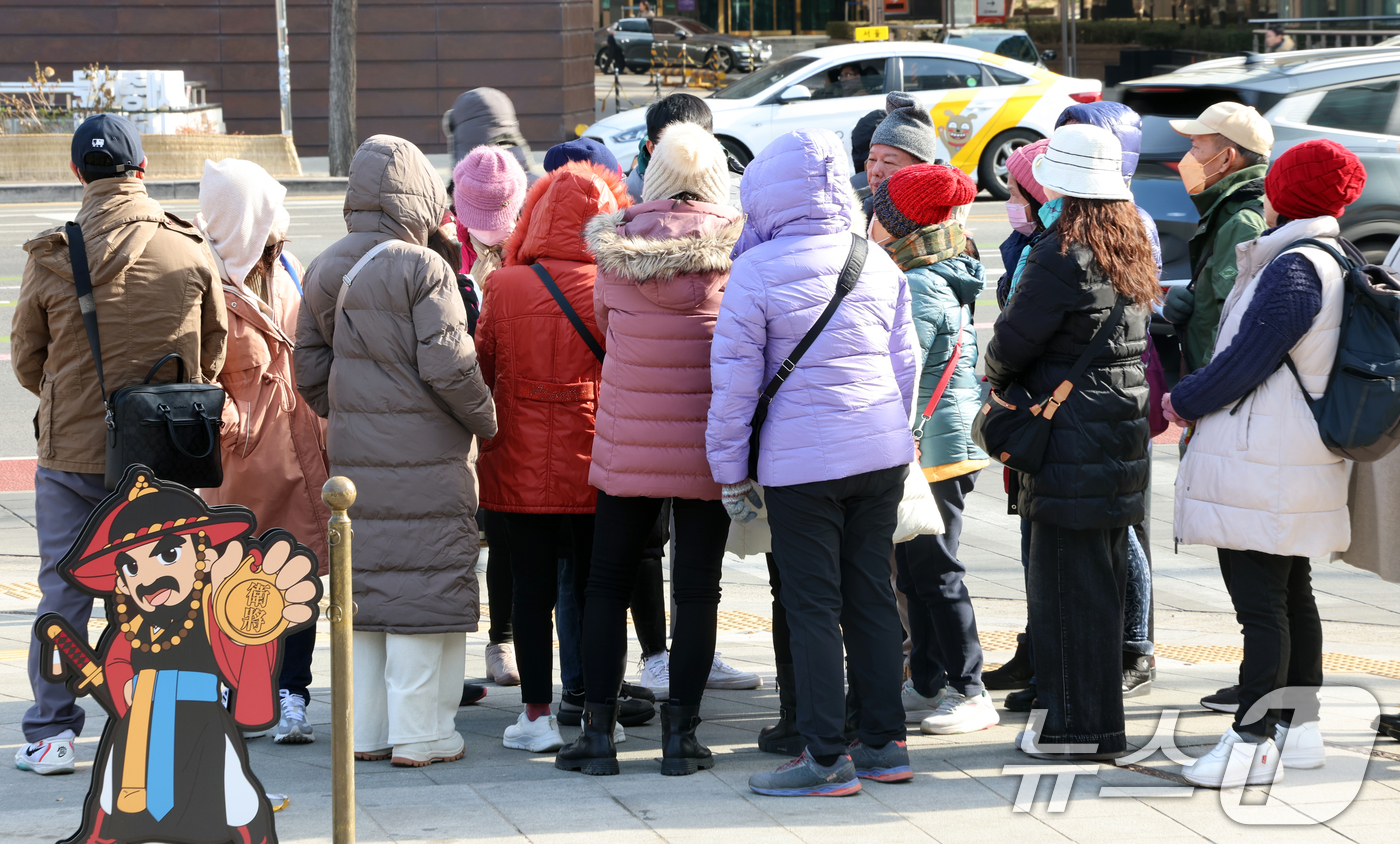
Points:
x=1257 y=482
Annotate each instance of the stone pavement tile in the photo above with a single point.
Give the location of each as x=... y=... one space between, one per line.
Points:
x=700 y=804
x=564 y=808
x=1203 y=813
x=1366 y=833
x=445 y=812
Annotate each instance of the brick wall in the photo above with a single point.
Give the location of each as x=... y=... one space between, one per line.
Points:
x=415 y=57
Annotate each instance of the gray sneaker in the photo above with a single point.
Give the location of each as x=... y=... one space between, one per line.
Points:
x=888 y=764
x=803 y=777
x=292 y=728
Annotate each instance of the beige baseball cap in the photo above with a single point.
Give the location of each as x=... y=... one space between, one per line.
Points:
x=1239 y=123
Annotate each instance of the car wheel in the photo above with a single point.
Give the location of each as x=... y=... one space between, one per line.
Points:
x=639 y=69
x=991 y=171
x=604 y=61
x=736 y=150
x=720 y=60
x=1375 y=248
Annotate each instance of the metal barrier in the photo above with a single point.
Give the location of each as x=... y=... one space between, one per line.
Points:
x=339 y=494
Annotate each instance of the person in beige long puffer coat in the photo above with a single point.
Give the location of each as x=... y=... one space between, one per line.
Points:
x=393 y=367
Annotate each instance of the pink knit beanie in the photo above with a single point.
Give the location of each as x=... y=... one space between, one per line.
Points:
x=1019 y=163
x=488 y=189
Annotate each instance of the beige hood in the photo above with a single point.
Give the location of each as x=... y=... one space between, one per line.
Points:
x=393 y=189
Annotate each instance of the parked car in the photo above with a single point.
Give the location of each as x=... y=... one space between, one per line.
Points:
x=1346 y=95
x=671 y=37
x=984 y=105
x=1012 y=43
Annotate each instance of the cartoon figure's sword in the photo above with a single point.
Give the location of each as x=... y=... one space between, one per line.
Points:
x=77 y=655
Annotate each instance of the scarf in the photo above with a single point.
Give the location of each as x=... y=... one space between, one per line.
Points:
x=643 y=157
x=928 y=245
x=1049 y=215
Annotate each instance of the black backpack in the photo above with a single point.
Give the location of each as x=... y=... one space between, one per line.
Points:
x=1359 y=413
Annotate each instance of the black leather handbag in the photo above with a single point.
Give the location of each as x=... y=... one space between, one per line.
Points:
x=1014 y=426
x=173 y=428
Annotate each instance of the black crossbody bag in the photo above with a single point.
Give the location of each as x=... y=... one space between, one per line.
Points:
x=569 y=312
x=850 y=273
x=172 y=428
x=1014 y=427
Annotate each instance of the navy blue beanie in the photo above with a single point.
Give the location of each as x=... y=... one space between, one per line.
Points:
x=582 y=149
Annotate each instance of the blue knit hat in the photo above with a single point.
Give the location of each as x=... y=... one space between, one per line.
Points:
x=582 y=149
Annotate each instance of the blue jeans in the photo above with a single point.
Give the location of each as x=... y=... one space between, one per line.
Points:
x=1137 y=605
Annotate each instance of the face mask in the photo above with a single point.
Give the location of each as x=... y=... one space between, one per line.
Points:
x=1016 y=213
x=1193 y=172
x=490 y=238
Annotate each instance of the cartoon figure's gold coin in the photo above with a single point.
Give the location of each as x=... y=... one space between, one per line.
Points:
x=248 y=606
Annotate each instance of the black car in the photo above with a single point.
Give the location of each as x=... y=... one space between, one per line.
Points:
x=1346 y=95
x=670 y=37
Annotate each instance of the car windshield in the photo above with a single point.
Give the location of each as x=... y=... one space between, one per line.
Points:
x=761 y=81
x=694 y=26
x=985 y=41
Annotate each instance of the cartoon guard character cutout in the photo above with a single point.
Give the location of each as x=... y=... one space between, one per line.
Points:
x=194 y=603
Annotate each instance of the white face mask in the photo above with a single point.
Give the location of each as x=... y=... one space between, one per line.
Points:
x=491 y=238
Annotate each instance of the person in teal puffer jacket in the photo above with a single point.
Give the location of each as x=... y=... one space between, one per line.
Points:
x=913 y=222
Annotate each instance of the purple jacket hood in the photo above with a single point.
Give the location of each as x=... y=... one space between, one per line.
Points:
x=799 y=185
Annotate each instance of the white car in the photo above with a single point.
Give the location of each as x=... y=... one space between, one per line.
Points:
x=984 y=105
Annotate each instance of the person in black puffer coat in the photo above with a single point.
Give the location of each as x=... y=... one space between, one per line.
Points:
x=1090 y=489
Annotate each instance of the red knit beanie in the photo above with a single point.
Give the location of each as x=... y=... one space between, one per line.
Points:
x=1317 y=178
x=928 y=193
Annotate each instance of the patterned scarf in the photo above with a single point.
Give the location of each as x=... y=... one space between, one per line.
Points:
x=928 y=245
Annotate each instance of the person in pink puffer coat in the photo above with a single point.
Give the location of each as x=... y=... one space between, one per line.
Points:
x=662 y=267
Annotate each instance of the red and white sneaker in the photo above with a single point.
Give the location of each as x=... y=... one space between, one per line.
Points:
x=53 y=755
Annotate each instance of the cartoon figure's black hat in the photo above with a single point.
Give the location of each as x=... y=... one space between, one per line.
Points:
x=140 y=510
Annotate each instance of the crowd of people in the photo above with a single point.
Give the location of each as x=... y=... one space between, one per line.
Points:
x=594 y=365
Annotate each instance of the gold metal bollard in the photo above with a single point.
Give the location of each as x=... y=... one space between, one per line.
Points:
x=339 y=494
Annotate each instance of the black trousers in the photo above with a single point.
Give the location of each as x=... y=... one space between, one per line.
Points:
x=500 y=597
x=622 y=528
x=942 y=625
x=648 y=595
x=782 y=637
x=832 y=542
x=1075 y=592
x=297 y=650
x=1274 y=603
x=534 y=558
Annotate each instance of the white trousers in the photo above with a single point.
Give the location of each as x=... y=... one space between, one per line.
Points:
x=406 y=687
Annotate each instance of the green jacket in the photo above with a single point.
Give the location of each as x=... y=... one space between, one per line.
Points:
x=943 y=284
x=1231 y=213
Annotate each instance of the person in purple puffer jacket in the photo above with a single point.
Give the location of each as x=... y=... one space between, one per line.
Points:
x=834 y=450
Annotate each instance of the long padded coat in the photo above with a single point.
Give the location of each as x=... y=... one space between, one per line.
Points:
x=396 y=373
x=1095 y=470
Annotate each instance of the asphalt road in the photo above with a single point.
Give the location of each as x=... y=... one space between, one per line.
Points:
x=316 y=223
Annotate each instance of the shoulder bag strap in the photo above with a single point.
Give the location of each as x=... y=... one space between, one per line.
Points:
x=82 y=279
x=855 y=261
x=349 y=278
x=569 y=311
x=943 y=380
x=1101 y=338
x=291 y=272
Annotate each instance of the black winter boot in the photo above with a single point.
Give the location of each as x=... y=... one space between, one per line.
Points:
x=783 y=736
x=1022 y=701
x=1137 y=675
x=593 y=752
x=1016 y=673
x=681 y=753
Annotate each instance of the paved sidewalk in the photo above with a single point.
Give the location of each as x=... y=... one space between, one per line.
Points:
x=960 y=792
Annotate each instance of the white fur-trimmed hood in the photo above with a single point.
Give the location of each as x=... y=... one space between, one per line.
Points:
x=640 y=259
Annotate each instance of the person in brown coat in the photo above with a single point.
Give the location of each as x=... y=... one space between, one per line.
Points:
x=274 y=444
x=386 y=356
x=155 y=292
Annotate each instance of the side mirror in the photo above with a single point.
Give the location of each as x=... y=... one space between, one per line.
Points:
x=1048 y=55
x=795 y=93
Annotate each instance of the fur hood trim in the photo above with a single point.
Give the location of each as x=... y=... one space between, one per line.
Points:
x=641 y=259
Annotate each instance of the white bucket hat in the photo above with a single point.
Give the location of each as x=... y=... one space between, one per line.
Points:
x=1082 y=161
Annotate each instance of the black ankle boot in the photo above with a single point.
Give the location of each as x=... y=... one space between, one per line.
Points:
x=1022 y=701
x=783 y=736
x=1137 y=675
x=1017 y=673
x=593 y=752
x=681 y=752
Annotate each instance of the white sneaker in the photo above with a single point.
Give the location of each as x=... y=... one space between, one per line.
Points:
x=53 y=755
x=725 y=676
x=538 y=736
x=292 y=728
x=619 y=734
x=916 y=706
x=656 y=675
x=1300 y=745
x=1025 y=741
x=1253 y=764
x=958 y=713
